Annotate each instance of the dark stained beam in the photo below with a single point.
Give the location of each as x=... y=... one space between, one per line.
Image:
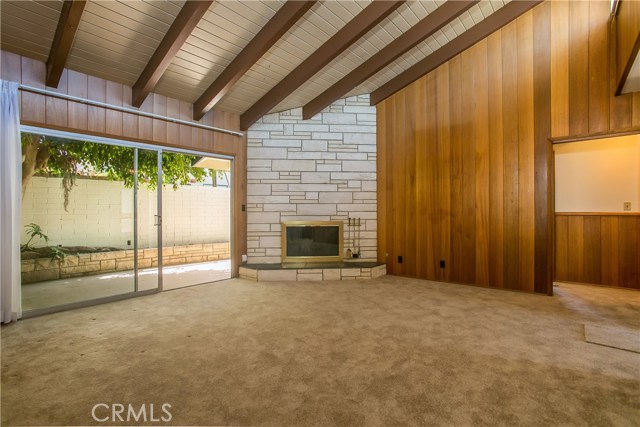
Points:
x=372 y=15
x=484 y=28
x=63 y=39
x=419 y=32
x=284 y=19
x=182 y=26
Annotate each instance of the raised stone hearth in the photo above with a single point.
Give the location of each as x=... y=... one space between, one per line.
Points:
x=298 y=272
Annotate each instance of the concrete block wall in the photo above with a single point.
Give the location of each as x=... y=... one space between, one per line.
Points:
x=319 y=169
x=100 y=213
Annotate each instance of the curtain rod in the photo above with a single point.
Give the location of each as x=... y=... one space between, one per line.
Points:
x=125 y=109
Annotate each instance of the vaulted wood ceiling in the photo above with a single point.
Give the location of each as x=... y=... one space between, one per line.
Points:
x=250 y=57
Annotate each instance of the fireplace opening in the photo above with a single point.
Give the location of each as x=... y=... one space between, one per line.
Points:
x=312 y=241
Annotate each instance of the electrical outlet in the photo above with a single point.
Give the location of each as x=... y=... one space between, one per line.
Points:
x=627 y=206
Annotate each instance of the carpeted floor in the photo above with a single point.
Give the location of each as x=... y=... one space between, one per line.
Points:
x=392 y=351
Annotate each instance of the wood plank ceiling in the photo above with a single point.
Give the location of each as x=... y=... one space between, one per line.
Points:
x=116 y=40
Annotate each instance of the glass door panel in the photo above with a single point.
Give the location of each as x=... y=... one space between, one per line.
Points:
x=77 y=222
x=148 y=220
x=196 y=214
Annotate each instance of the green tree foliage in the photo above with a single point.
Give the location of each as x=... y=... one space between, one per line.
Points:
x=68 y=159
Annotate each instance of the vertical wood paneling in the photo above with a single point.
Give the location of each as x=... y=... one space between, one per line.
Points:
x=186 y=113
x=173 y=129
x=96 y=116
x=33 y=105
x=391 y=209
x=560 y=67
x=399 y=177
x=466 y=265
x=628 y=251
x=598 y=68
x=510 y=172
x=621 y=107
x=592 y=249
x=145 y=124
x=11 y=67
x=38 y=110
x=608 y=251
x=443 y=161
x=381 y=174
x=129 y=121
x=578 y=67
x=543 y=153
x=482 y=153
x=410 y=187
x=601 y=249
x=55 y=108
x=562 y=248
x=494 y=108
x=635 y=119
x=431 y=196
x=211 y=118
x=160 y=127
x=114 y=119
x=78 y=114
x=525 y=152
x=422 y=169
x=457 y=261
x=496 y=161
x=575 y=243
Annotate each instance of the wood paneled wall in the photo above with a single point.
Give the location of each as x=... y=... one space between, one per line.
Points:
x=464 y=158
x=49 y=112
x=601 y=249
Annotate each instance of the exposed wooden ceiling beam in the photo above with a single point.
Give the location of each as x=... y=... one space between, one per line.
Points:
x=182 y=26
x=345 y=37
x=284 y=19
x=63 y=39
x=419 y=32
x=484 y=28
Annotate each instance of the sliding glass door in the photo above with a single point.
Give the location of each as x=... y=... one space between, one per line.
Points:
x=82 y=238
x=93 y=227
x=196 y=228
x=148 y=220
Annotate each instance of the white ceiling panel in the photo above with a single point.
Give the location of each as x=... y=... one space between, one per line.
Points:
x=304 y=38
x=116 y=39
x=28 y=27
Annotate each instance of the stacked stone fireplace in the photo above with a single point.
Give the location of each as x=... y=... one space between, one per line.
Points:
x=322 y=169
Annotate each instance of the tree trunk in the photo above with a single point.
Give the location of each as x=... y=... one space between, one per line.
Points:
x=35 y=154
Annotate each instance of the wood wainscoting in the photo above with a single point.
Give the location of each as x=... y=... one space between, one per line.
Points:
x=598 y=248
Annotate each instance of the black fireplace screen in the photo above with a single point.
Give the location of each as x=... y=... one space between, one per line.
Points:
x=313 y=241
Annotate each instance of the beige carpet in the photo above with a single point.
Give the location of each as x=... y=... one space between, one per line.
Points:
x=623 y=339
x=388 y=352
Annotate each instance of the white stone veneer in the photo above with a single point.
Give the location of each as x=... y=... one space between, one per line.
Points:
x=319 y=169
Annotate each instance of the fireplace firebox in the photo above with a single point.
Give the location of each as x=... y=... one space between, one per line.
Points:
x=312 y=241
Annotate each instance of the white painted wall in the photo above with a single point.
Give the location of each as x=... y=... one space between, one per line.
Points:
x=100 y=213
x=319 y=169
x=598 y=175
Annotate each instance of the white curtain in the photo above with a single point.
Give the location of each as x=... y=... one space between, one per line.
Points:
x=10 y=200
